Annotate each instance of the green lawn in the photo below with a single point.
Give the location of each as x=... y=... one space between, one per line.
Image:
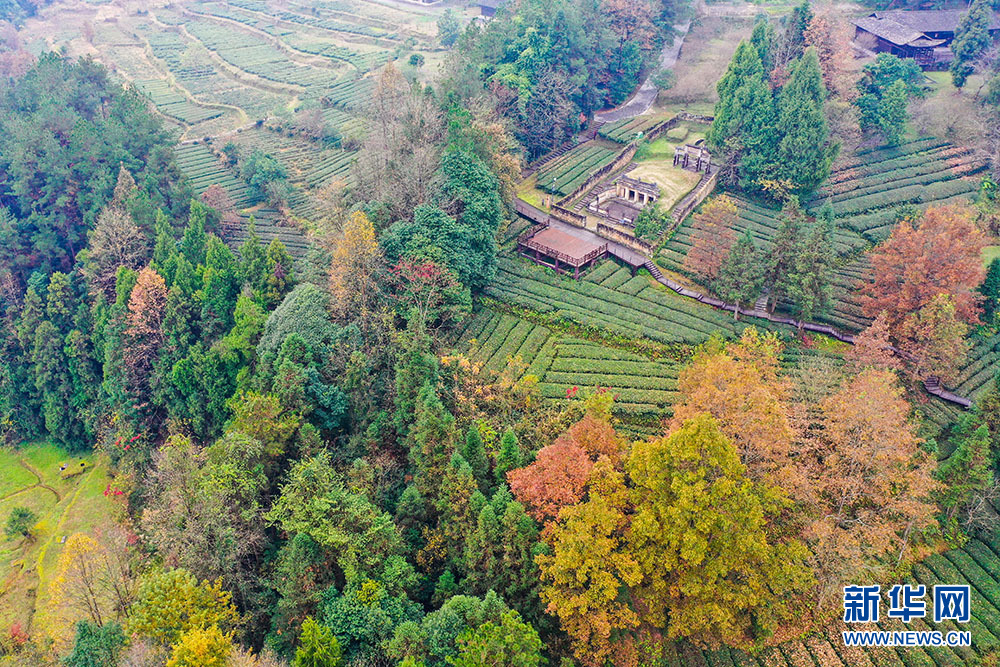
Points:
x=990 y=253
x=13 y=476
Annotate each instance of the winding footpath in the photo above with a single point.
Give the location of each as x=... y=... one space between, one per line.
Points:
x=637 y=260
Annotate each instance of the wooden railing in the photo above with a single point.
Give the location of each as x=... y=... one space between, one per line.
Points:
x=561 y=256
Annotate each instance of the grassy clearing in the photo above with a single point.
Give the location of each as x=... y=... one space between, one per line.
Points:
x=13 y=477
x=707 y=50
x=529 y=192
x=674 y=183
x=990 y=253
x=64 y=503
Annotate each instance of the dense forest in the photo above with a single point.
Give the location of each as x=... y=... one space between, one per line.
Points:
x=306 y=469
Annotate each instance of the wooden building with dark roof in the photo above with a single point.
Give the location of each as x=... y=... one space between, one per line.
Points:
x=488 y=8
x=923 y=35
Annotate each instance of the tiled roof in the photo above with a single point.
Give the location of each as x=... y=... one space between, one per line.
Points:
x=930 y=20
x=895 y=32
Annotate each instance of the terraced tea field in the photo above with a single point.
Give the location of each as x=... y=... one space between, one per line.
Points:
x=172 y=103
x=268 y=226
x=310 y=164
x=627 y=130
x=253 y=54
x=645 y=387
x=976 y=564
x=190 y=64
x=865 y=192
x=568 y=172
x=351 y=94
x=865 y=189
x=612 y=300
x=204 y=169
x=982 y=365
x=762 y=223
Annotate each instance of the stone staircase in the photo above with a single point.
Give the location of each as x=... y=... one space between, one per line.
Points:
x=554 y=154
x=653 y=269
x=760 y=305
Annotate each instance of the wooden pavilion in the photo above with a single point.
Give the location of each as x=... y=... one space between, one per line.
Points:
x=560 y=250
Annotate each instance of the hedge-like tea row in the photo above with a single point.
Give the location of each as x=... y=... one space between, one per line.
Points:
x=331 y=24
x=645 y=387
x=624 y=131
x=870 y=157
x=655 y=313
x=253 y=54
x=565 y=174
x=976 y=564
x=203 y=170
x=944 y=153
x=981 y=366
x=172 y=103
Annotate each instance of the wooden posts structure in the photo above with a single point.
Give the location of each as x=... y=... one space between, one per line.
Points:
x=683 y=155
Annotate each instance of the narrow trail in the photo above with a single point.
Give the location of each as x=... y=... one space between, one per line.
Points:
x=41 y=484
x=36 y=485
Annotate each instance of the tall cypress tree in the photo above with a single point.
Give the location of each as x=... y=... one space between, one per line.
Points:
x=742 y=274
x=744 y=118
x=762 y=39
x=804 y=151
x=808 y=285
x=253 y=260
x=193 y=243
x=795 y=29
x=786 y=246
x=990 y=289
x=474 y=453
x=972 y=37
x=221 y=286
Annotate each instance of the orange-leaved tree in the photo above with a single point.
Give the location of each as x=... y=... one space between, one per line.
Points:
x=712 y=237
x=939 y=253
x=739 y=385
x=557 y=477
x=873 y=481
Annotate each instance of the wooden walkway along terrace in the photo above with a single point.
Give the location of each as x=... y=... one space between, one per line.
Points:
x=636 y=260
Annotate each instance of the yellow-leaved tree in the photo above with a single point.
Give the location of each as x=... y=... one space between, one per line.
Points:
x=713 y=568
x=202 y=647
x=94 y=578
x=589 y=567
x=172 y=602
x=353 y=270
